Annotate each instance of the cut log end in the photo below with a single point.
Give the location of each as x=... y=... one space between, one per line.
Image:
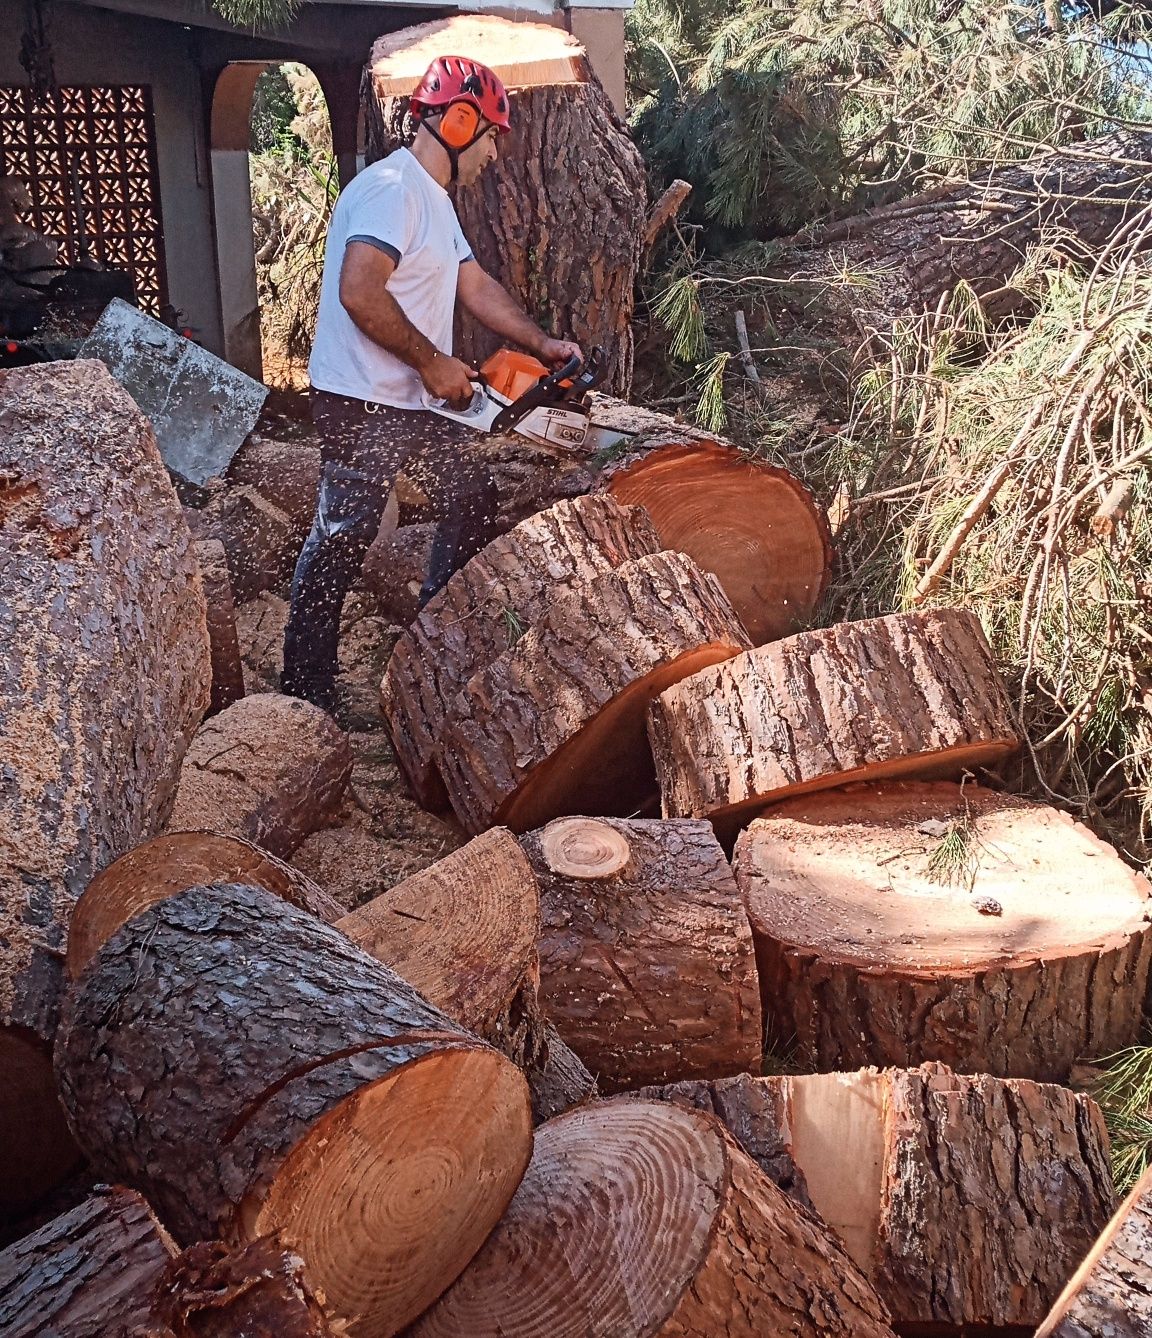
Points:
x=39 y=1151
x=584 y=848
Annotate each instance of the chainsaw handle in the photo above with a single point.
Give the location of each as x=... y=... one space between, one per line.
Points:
x=570 y=369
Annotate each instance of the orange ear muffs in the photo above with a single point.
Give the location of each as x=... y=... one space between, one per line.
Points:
x=459 y=124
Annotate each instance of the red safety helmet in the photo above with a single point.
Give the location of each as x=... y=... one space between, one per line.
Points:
x=452 y=79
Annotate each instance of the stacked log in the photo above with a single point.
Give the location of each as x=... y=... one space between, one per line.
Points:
x=647 y=967
x=227 y=668
x=908 y=922
x=104 y=675
x=252 y=1072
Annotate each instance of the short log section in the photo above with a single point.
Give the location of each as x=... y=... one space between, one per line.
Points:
x=556 y=724
x=251 y=1071
x=914 y=694
x=227 y=666
x=647 y=967
x=639 y=1219
x=908 y=922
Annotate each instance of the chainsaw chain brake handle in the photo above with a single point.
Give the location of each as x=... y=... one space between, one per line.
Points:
x=566 y=385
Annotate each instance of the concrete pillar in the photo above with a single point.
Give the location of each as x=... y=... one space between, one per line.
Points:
x=341 y=85
x=601 y=29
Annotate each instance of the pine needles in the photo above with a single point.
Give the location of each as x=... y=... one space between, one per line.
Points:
x=1124 y=1092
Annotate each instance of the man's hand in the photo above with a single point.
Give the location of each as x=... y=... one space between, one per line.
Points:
x=556 y=352
x=447 y=378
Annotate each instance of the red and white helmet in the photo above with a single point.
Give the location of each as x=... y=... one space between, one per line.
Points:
x=452 y=79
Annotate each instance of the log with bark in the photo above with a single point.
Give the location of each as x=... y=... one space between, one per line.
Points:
x=639 y=1219
x=556 y=724
x=251 y=1071
x=904 y=922
x=559 y=219
x=966 y=1201
x=227 y=667
x=104 y=675
x=270 y=769
x=261 y=542
x=285 y=473
x=394 y=570
x=647 y=967
x=482 y=610
x=913 y=694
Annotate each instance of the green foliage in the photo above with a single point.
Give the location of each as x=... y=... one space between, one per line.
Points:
x=259 y=15
x=1124 y=1092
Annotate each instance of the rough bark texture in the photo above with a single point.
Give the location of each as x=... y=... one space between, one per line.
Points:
x=227 y=668
x=286 y=473
x=559 y=1080
x=501 y=593
x=104 y=675
x=270 y=769
x=911 y=694
x=394 y=570
x=649 y=973
x=261 y=542
x=555 y=725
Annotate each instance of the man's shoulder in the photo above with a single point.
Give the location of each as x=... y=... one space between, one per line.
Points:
x=387 y=174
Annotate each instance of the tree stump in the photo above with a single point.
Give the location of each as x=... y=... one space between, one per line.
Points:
x=643 y=1219
x=1110 y=1295
x=486 y=607
x=270 y=769
x=755 y=526
x=966 y=1201
x=559 y=218
x=908 y=922
x=227 y=667
x=556 y=724
x=252 y=1072
x=161 y=868
x=647 y=967
x=104 y=675
x=913 y=694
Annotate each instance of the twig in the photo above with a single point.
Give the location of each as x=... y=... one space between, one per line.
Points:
x=665 y=210
x=1112 y=509
x=745 y=350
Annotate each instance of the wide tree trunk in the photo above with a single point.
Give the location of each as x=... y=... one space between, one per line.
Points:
x=913 y=694
x=104 y=675
x=486 y=607
x=638 y=1219
x=647 y=967
x=227 y=667
x=900 y=923
x=251 y=1071
x=559 y=218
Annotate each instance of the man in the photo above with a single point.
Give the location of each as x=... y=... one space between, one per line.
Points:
x=395 y=266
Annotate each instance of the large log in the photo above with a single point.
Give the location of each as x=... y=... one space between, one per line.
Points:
x=647 y=967
x=966 y=1201
x=482 y=610
x=104 y=675
x=227 y=667
x=899 y=923
x=556 y=724
x=646 y=1221
x=252 y=1072
x=913 y=694
x=270 y=769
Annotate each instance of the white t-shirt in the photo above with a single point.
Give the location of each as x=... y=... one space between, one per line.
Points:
x=394 y=205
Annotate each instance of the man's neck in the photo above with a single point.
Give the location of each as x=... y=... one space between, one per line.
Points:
x=432 y=157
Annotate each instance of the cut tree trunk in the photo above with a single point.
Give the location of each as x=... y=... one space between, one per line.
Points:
x=161 y=868
x=966 y=1201
x=642 y=1220
x=104 y=675
x=394 y=570
x=913 y=694
x=755 y=526
x=252 y=1072
x=559 y=219
x=482 y=610
x=556 y=724
x=647 y=967
x=270 y=769
x=227 y=667
x=901 y=923
x=1110 y=1295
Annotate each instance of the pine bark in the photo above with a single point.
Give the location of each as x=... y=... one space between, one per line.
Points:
x=648 y=972
x=227 y=667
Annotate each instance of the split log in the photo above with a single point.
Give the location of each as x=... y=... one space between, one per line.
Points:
x=253 y=1072
x=965 y=1201
x=1110 y=1295
x=908 y=922
x=913 y=694
x=480 y=613
x=647 y=968
x=270 y=769
x=161 y=868
x=638 y=1219
x=261 y=542
x=104 y=675
x=394 y=570
x=559 y=219
x=285 y=473
x=556 y=724
x=227 y=667
x=753 y=525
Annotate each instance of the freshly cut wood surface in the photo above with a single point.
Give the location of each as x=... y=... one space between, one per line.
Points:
x=754 y=525
x=639 y=1219
x=913 y=694
x=902 y=922
x=647 y=970
x=556 y=724
x=227 y=667
x=169 y=864
x=270 y=769
x=485 y=607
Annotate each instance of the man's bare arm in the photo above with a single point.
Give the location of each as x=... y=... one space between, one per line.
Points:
x=490 y=302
